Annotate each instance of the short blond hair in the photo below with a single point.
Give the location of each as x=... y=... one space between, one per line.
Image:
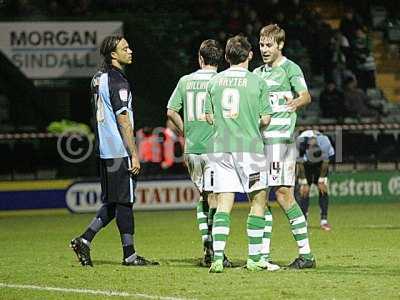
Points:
x=274 y=31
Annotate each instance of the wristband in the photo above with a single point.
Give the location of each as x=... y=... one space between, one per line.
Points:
x=323 y=180
x=303 y=181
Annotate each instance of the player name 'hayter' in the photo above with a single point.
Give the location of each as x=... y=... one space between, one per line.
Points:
x=234 y=81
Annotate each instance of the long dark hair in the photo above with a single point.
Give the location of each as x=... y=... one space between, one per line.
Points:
x=108 y=46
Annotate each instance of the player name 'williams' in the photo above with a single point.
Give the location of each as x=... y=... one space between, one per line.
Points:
x=196 y=85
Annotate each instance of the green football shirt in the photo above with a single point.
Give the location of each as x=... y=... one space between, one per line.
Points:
x=237 y=98
x=287 y=79
x=190 y=93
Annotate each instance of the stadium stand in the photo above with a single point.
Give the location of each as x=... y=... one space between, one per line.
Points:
x=321 y=37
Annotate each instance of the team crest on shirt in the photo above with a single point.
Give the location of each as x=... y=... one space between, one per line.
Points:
x=123 y=94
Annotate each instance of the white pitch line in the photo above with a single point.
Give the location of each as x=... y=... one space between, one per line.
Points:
x=83 y=291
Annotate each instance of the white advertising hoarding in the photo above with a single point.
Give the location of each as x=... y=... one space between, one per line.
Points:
x=83 y=197
x=50 y=50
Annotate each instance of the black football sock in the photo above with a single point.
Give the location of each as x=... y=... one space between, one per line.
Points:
x=104 y=216
x=323 y=204
x=125 y=223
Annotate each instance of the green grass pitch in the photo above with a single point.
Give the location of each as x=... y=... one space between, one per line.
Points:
x=358 y=259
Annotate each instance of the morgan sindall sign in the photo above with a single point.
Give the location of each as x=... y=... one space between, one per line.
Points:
x=48 y=50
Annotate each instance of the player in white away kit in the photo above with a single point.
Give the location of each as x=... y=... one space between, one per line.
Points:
x=190 y=94
x=287 y=92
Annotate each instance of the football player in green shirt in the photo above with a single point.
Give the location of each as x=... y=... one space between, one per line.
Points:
x=287 y=91
x=236 y=105
x=190 y=94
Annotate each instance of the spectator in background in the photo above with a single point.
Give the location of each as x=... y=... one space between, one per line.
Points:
x=296 y=51
x=249 y=31
x=364 y=60
x=279 y=18
x=149 y=151
x=297 y=27
x=234 y=23
x=77 y=7
x=321 y=34
x=350 y=23
x=356 y=101
x=25 y=8
x=294 y=7
x=331 y=102
x=252 y=16
x=54 y=8
x=335 y=66
x=172 y=147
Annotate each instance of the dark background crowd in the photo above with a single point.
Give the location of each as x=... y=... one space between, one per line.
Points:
x=338 y=59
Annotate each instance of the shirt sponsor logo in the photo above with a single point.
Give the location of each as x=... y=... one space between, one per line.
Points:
x=123 y=94
x=253 y=179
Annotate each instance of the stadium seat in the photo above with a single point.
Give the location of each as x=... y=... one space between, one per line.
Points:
x=374 y=94
x=6 y=163
x=388 y=148
x=47 y=159
x=359 y=147
x=393 y=33
x=24 y=153
x=378 y=15
x=327 y=121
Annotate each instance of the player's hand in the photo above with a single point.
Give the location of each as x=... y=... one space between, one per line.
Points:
x=304 y=190
x=291 y=104
x=323 y=188
x=135 y=169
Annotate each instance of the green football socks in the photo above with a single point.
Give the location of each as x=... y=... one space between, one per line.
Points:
x=266 y=241
x=255 y=232
x=220 y=233
x=298 y=226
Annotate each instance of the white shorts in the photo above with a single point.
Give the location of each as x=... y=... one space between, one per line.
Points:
x=281 y=164
x=200 y=171
x=238 y=172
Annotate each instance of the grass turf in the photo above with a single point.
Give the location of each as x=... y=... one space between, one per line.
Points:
x=359 y=258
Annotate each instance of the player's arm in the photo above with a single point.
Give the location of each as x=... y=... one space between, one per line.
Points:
x=265 y=106
x=301 y=169
x=301 y=172
x=328 y=153
x=299 y=85
x=119 y=98
x=176 y=119
x=302 y=180
x=126 y=130
x=302 y=100
x=323 y=177
x=208 y=107
x=175 y=104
